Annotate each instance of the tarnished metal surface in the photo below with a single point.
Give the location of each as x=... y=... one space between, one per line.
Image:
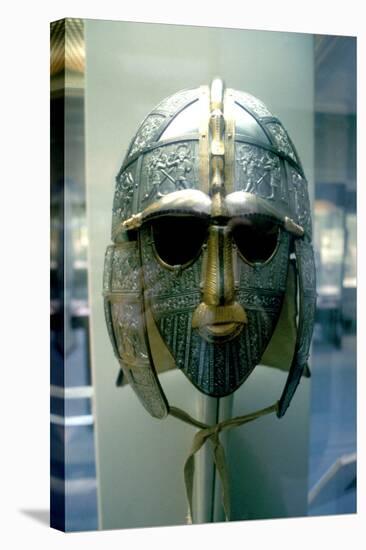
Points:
x=124 y=314
x=208 y=218
x=307 y=285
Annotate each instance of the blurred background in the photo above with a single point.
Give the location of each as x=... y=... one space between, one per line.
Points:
x=332 y=457
x=332 y=445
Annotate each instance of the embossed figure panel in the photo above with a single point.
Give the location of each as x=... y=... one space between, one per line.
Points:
x=258 y=171
x=125 y=269
x=281 y=139
x=127 y=322
x=147 y=133
x=299 y=198
x=126 y=186
x=168 y=168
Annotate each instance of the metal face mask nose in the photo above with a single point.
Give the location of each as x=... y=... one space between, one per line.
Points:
x=219 y=317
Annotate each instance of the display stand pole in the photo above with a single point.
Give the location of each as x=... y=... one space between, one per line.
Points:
x=207 y=492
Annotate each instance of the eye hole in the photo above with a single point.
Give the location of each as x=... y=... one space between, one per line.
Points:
x=256 y=239
x=177 y=240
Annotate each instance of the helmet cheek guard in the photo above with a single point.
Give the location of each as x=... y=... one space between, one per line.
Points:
x=307 y=303
x=210 y=203
x=126 y=321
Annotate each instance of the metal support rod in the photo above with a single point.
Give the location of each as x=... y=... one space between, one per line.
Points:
x=207 y=492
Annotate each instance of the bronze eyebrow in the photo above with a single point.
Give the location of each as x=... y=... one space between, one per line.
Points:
x=187 y=201
x=241 y=203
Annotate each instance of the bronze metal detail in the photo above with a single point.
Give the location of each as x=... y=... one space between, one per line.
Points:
x=217 y=148
x=218 y=317
x=229 y=141
x=219 y=279
x=203 y=144
x=133 y=222
x=293 y=227
x=178 y=203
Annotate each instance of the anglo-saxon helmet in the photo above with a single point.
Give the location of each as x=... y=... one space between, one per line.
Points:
x=211 y=231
